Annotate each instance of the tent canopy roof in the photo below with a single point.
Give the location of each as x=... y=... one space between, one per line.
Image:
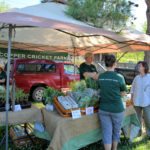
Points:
x=74 y=34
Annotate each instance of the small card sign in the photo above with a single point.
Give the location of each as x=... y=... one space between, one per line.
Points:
x=17 y=108
x=89 y=110
x=76 y=114
x=50 y=107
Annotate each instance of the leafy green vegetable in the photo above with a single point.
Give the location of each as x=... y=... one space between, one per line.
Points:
x=49 y=93
x=20 y=95
x=3 y=96
x=78 y=86
x=91 y=83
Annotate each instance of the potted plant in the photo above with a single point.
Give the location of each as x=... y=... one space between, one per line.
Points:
x=48 y=95
x=21 y=98
x=2 y=99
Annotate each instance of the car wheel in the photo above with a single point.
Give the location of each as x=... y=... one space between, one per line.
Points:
x=38 y=94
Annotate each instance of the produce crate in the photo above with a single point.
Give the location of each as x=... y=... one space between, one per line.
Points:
x=19 y=137
x=67 y=112
x=65 y=90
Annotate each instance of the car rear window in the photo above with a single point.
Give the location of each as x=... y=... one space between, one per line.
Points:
x=36 y=68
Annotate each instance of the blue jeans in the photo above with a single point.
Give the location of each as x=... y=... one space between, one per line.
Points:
x=111 y=124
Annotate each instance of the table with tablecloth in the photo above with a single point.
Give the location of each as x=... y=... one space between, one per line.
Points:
x=29 y=115
x=73 y=134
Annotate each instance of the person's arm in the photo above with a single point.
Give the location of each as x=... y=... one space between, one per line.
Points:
x=96 y=76
x=132 y=90
x=2 y=80
x=132 y=98
x=89 y=74
x=123 y=93
x=123 y=87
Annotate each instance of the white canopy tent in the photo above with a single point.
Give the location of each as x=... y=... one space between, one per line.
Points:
x=68 y=34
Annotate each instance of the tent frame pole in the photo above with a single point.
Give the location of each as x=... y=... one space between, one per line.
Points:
x=7 y=86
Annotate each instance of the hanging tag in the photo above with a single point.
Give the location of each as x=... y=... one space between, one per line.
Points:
x=89 y=110
x=76 y=114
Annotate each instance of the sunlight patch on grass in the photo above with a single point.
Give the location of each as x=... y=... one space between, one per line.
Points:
x=38 y=104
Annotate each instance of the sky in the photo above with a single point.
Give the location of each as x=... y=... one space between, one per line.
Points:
x=139 y=12
x=21 y=3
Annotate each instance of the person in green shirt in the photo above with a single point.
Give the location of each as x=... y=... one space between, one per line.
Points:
x=87 y=69
x=111 y=111
x=2 y=77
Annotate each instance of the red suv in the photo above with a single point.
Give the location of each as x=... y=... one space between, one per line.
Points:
x=34 y=75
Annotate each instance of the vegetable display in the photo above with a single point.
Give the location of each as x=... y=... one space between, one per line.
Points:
x=84 y=96
x=49 y=93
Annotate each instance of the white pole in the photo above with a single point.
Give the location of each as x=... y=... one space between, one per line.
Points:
x=7 y=86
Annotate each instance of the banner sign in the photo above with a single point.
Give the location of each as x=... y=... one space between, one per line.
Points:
x=28 y=54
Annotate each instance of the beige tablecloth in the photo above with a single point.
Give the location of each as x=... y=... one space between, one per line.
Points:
x=69 y=134
x=29 y=115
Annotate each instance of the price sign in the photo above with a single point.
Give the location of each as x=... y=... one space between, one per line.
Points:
x=17 y=108
x=89 y=110
x=76 y=114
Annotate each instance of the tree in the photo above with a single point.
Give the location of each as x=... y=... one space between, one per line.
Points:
x=147 y=54
x=144 y=27
x=112 y=14
x=3 y=6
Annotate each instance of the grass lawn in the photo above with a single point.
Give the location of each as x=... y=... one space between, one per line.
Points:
x=140 y=143
x=131 y=57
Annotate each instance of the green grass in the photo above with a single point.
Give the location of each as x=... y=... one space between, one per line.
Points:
x=131 y=57
x=38 y=104
x=140 y=143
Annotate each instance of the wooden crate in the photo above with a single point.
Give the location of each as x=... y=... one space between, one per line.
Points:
x=21 y=139
x=67 y=112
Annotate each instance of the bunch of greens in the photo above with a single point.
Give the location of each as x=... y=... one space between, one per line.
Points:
x=91 y=83
x=86 y=101
x=50 y=93
x=20 y=95
x=3 y=96
x=84 y=96
x=78 y=86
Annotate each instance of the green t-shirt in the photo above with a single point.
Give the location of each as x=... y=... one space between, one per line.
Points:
x=111 y=84
x=2 y=76
x=86 y=68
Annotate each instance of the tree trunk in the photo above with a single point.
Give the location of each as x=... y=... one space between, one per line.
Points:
x=147 y=54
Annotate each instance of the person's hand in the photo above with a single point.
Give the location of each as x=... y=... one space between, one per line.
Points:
x=131 y=101
x=96 y=77
x=93 y=74
x=123 y=93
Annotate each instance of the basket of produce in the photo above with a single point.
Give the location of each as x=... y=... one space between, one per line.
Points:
x=19 y=136
x=79 y=97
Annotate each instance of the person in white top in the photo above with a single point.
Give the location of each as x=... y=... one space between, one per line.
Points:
x=140 y=95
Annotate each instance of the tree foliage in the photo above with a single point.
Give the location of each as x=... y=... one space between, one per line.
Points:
x=144 y=27
x=147 y=53
x=112 y=14
x=3 y=6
